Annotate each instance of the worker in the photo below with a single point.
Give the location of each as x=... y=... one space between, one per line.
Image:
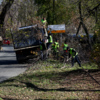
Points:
x=49 y=43
x=74 y=55
x=1 y=41
x=44 y=22
x=65 y=47
x=50 y=40
x=65 y=53
x=56 y=48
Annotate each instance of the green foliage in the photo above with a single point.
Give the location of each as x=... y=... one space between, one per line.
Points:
x=27 y=11
x=95 y=53
x=8 y=34
x=91 y=8
x=56 y=12
x=1 y=99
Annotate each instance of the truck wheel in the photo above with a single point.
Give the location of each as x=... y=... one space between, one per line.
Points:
x=18 y=60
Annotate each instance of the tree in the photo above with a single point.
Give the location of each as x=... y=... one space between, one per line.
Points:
x=56 y=11
x=4 y=12
x=27 y=12
x=82 y=23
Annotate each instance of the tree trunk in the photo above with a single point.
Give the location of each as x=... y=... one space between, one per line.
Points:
x=3 y=14
x=83 y=25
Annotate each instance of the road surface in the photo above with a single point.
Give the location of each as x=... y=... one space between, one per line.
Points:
x=8 y=64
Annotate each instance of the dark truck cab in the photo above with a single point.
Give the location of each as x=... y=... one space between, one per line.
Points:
x=26 y=42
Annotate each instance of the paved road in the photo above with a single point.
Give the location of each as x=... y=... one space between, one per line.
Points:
x=8 y=64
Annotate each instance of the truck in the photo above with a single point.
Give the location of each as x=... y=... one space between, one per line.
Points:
x=26 y=42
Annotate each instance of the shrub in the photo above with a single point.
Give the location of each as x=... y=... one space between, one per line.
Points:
x=95 y=53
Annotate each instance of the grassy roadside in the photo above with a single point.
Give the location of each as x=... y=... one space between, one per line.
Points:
x=46 y=80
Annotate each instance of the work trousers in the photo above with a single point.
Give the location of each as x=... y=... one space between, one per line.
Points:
x=48 y=45
x=56 y=54
x=76 y=59
x=44 y=32
x=43 y=54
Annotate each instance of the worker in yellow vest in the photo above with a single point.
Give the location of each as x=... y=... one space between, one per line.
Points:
x=56 y=48
x=44 y=22
x=65 y=47
x=65 y=52
x=74 y=55
x=50 y=40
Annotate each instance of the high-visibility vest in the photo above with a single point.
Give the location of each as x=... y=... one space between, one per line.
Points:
x=72 y=53
x=56 y=45
x=50 y=39
x=44 y=21
x=65 y=46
